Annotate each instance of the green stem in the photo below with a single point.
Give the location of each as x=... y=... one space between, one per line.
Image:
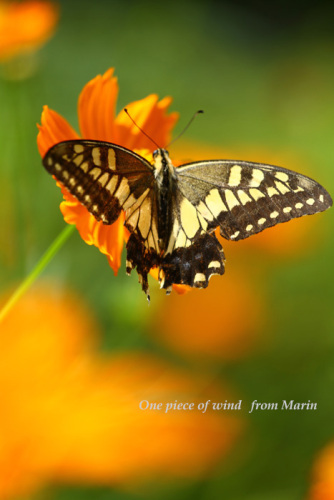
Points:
x=41 y=264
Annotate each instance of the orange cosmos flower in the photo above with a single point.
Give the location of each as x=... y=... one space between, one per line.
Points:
x=25 y=26
x=69 y=414
x=97 y=120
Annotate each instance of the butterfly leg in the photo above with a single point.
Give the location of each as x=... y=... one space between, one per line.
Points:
x=194 y=265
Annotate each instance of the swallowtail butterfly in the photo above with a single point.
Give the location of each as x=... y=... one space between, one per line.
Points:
x=172 y=213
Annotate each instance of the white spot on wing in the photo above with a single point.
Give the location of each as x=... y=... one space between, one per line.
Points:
x=96 y=156
x=111 y=159
x=310 y=201
x=231 y=200
x=282 y=176
x=103 y=179
x=274 y=214
x=84 y=167
x=215 y=203
x=123 y=191
x=244 y=198
x=111 y=186
x=256 y=194
x=234 y=235
x=235 y=176
x=271 y=191
x=214 y=263
x=257 y=178
x=78 y=159
x=199 y=277
x=261 y=221
x=78 y=148
x=282 y=188
x=95 y=173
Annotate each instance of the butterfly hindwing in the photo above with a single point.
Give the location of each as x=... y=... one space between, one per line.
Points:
x=244 y=198
x=192 y=254
x=104 y=177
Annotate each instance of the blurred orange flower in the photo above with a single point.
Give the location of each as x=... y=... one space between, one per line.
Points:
x=97 y=120
x=323 y=475
x=224 y=321
x=69 y=414
x=25 y=26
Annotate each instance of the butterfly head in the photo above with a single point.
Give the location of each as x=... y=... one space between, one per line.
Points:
x=162 y=163
x=160 y=153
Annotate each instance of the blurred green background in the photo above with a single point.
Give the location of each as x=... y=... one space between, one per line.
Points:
x=264 y=74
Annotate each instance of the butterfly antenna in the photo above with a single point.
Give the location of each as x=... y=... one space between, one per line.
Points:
x=200 y=111
x=142 y=131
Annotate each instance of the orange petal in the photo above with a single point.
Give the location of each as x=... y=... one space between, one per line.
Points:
x=54 y=129
x=96 y=107
x=151 y=115
x=108 y=239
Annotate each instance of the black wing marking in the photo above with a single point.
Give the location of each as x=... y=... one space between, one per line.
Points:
x=244 y=198
x=104 y=177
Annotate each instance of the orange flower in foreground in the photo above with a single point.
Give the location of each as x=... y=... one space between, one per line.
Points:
x=323 y=476
x=224 y=321
x=69 y=414
x=24 y=26
x=97 y=120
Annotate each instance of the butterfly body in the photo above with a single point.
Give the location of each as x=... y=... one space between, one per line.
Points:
x=165 y=178
x=171 y=213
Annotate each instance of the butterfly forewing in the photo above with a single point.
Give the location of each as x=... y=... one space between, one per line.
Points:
x=244 y=198
x=104 y=177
